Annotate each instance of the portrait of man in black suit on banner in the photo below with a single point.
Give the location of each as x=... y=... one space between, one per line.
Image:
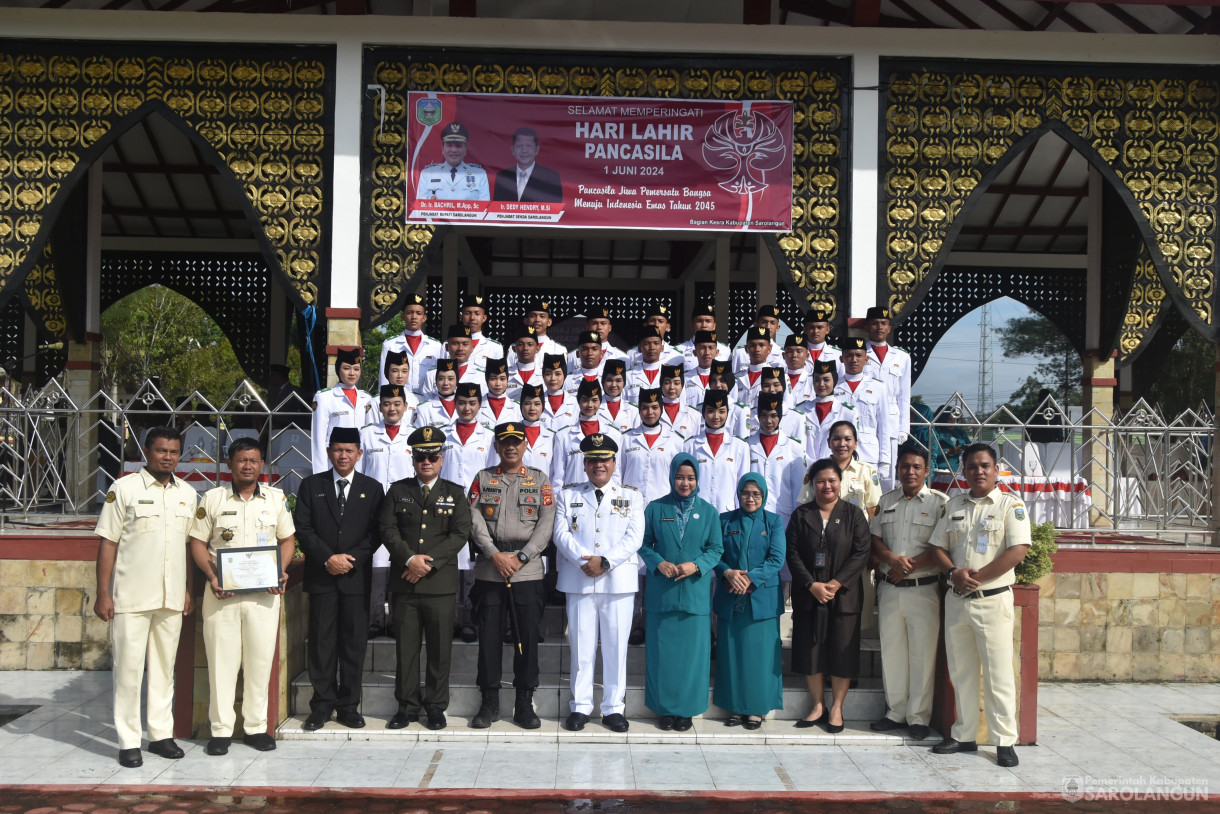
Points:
x=528 y=181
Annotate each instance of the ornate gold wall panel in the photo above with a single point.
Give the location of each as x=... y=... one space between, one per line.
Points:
x=41 y=295
x=815 y=250
x=262 y=109
x=1152 y=132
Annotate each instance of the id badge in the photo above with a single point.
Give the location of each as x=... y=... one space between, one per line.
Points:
x=819 y=559
x=263 y=538
x=981 y=543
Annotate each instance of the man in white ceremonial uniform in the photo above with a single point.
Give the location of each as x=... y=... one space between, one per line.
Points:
x=497 y=407
x=343 y=405
x=474 y=319
x=240 y=630
x=699 y=377
x=779 y=458
x=983 y=535
x=871 y=401
x=758 y=359
x=568 y=466
x=458 y=347
x=644 y=373
x=908 y=598
x=599 y=526
x=559 y=407
x=723 y=458
x=539 y=439
x=386 y=458
x=142 y=591
x=892 y=365
x=680 y=416
x=817 y=331
x=767 y=319
x=422 y=351
x=524 y=362
x=615 y=409
x=538 y=317
x=468 y=447
x=441 y=409
x=824 y=411
x=702 y=318
x=454 y=179
x=590 y=358
x=598 y=322
x=798 y=374
x=658 y=318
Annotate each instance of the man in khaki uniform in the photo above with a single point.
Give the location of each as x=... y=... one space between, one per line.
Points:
x=142 y=591
x=512 y=516
x=240 y=630
x=908 y=597
x=982 y=535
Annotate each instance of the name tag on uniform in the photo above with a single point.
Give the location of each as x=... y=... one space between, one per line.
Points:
x=228 y=514
x=148 y=502
x=675 y=520
x=890 y=510
x=576 y=505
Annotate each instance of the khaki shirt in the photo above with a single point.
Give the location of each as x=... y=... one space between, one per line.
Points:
x=906 y=525
x=262 y=520
x=149 y=524
x=516 y=510
x=861 y=485
x=975 y=532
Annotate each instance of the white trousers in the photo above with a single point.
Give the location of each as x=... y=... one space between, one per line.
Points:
x=910 y=628
x=591 y=616
x=239 y=634
x=140 y=642
x=979 y=632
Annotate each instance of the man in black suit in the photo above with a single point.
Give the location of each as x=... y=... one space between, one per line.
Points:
x=425 y=522
x=336 y=519
x=528 y=180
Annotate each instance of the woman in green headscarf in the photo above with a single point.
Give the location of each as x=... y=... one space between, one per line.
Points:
x=682 y=545
x=748 y=604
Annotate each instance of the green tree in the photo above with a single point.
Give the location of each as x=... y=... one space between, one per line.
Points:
x=157 y=332
x=1187 y=376
x=1059 y=371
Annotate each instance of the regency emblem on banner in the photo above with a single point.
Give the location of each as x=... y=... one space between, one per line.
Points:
x=428 y=112
x=745 y=144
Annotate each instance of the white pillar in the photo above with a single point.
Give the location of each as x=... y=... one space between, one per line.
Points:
x=865 y=141
x=345 y=193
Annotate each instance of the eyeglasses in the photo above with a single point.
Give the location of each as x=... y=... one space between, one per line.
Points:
x=430 y=457
x=750 y=495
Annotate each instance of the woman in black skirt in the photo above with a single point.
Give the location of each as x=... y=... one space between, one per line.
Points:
x=828 y=547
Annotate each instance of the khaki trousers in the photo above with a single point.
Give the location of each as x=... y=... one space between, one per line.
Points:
x=239 y=634
x=979 y=632
x=144 y=641
x=910 y=628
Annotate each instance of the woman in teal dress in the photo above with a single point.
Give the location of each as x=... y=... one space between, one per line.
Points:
x=748 y=605
x=682 y=544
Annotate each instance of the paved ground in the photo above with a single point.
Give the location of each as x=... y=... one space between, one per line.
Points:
x=1121 y=734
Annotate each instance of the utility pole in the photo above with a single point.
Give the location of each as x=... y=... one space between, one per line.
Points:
x=985 y=377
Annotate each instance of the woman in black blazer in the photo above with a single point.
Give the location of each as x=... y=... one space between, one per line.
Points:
x=828 y=548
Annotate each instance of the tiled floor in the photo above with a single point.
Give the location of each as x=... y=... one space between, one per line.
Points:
x=1101 y=731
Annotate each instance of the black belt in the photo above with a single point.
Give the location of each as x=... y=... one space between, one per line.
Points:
x=914 y=583
x=988 y=592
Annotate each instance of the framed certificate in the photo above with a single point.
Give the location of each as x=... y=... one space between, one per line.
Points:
x=243 y=570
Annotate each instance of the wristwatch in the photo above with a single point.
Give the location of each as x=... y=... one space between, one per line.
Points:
x=949 y=573
x=605 y=564
x=523 y=557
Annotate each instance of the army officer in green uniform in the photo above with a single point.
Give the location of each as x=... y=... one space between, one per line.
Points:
x=425 y=522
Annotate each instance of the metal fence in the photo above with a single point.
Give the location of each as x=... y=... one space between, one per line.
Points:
x=1135 y=471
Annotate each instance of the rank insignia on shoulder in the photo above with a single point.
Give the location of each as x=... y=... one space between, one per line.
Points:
x=200 y=513
x=1019 y=513
x=110 y=498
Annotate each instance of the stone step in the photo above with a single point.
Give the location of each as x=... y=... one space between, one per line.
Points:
x=864 y=703
x=708 y=730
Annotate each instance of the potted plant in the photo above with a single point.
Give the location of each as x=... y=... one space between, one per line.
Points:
x=1037 y=562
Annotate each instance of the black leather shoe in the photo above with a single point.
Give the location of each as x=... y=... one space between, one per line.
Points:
x=219 y=746
x=167 y=749
x=751 y=723
x=468 y=634
x=351 y=719
x=576 y=722
x=436 y=719
x=315 y=721
x=918 y=731
x=682 y=724
x=523 y=711
x=401 y=720
x=734 y=720
x=805 y=723
x=950 y=747
x=1006 y=756
x=489 y=710
x=636 y=637
x=666 y=723
x=130 y=758
x=885 y=725
x=260 y=741
x=615 y=722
